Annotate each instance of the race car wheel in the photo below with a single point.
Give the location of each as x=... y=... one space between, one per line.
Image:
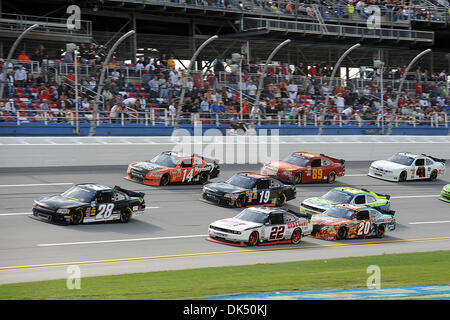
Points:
x=296 y=236
x=331 y=177
x=76 y=217
x=203 y=178
x=433 y=175
x=165 y=179
x=298 y=178
x=281 y=200
x=240 y=202
x=125 y=215
x=341 y=233
x=253 y=239
x=402 y=177
x=379 y=231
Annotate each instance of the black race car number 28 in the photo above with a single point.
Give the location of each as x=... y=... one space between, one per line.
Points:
x=105 y=210
x=276 y=233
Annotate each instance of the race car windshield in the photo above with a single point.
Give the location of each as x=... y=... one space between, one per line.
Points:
x=337 y=196
x=79 y=194
x=252 y=216
x=298 y=160
x=165 y=160
x=401 y=159
x=242 y=181
x=339 y=212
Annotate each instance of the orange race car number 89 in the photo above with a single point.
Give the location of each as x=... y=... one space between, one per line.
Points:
x=317 y=174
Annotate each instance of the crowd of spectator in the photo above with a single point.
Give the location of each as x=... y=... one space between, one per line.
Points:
x=289 y=94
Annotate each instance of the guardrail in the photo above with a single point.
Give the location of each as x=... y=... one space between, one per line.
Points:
x=165 y=117
x=256 y=24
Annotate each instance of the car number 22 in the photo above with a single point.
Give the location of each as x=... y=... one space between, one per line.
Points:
x=276 y=233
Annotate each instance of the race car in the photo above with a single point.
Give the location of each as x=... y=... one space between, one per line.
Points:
x=301 y=167
x=249 y=189
x=261 y=225
x=341 y=195
x=348 y=221
x=445 y=193
x=89 y=202
x=170 y=167
x=404 y=166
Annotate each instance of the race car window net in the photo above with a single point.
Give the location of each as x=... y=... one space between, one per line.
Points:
x=298 y=160
x=316 y=163
x=252 y=215
x=337 y=196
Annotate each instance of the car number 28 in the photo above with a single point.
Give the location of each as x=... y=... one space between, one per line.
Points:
x=105 y=210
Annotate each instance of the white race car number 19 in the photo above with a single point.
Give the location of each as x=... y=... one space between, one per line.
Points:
x=105 y=210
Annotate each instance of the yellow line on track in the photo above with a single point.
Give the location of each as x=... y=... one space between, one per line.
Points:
x=59 y=264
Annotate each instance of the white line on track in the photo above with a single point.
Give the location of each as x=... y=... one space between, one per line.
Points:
x=356 y=175
x=35 y=184
x=421 y=196
x=430 y=222
x=119 y=240
x=25 y=213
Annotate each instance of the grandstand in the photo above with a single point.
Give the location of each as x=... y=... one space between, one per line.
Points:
x=148 y=72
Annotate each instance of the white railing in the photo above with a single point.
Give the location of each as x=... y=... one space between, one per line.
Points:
x=162 y=116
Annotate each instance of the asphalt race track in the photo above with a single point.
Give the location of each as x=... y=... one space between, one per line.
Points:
x=171 y=235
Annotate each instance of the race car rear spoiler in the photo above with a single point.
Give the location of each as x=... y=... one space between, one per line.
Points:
x=205 y=159
x=334 y=159
x=378 y=194
x=130 y=192
x=435 y=159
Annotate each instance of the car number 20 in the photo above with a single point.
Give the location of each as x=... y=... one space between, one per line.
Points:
x=105 y=210
x=364 y=228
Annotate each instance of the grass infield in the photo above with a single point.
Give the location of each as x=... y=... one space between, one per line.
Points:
x=409 y=269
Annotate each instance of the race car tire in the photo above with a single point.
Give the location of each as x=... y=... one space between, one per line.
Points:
x=298 y=178
x=433 y=175
x=296 y=236
x=331 y=177
x=76 y=217
x=164 y=181
x=281 y=200
x=253 y=239
x=402 y=177
x=203 y=178
x=341 y=233
x=379 y=231
x=125 y=215
x=240 y=202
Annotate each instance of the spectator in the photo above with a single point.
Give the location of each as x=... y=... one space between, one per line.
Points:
x=116 y=112
x=20 y=76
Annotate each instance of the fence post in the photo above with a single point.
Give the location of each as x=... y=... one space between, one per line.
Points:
x=279 y=120
x=166 y=122
x=122 y=118
x=217 y=119
x=152 y=116
x=299 y=120
x=18 y=117
x=305 y=119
